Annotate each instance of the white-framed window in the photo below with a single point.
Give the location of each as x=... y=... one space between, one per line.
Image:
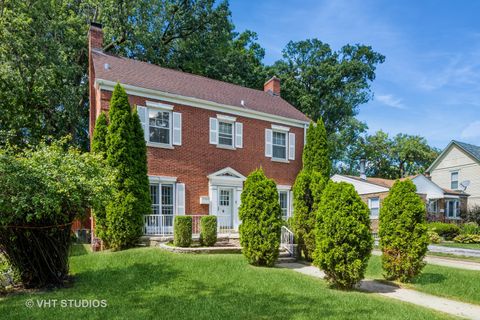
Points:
x=432 y=206
x=374 y=206
x=162 y=127
x=279 y=144
x=452 y=209
x=226 y=132
x=163 y=200
x=159 y=126
x=283 y=198
x=454 y=180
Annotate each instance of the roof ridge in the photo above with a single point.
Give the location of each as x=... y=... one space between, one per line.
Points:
x=187 y=73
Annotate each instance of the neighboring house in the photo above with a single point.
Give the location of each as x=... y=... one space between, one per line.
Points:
x=458 y=168
x=441 y=204
x=203 y=136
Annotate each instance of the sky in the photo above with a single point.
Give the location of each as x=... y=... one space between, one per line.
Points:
x=429 y=84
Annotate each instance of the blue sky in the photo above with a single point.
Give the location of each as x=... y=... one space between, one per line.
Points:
x=430 y=82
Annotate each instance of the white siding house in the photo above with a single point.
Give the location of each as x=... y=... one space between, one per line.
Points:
x=458 y=168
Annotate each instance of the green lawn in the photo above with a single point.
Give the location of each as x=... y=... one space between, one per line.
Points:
x=453 y=256
x=148 y=283
x=447 y=282
x=474 y=246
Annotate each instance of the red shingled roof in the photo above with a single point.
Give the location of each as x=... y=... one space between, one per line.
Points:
x=149 y=76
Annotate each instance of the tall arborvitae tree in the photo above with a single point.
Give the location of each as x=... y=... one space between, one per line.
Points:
x=316 y=156
x=403 y=232
x=124 y=219
x=308 y=188
x=99 y=146
x=344 y=239
x=261 y=220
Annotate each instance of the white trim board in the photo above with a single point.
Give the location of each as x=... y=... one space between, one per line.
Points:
x=199 y=103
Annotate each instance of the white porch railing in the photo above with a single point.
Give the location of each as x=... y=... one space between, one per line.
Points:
x=162 y=225
x=286 y=241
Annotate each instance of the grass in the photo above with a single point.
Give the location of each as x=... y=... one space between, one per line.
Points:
x=458 y=284
x=474 y=246
x=148 y=283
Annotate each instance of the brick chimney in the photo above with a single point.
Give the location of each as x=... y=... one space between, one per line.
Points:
x=272 y=86
x=95 y=36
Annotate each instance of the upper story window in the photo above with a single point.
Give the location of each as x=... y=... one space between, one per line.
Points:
x=162 y=127
x=159 y=126
x=454 y=180
x=374 y=206
x=226 y=132
x=279 y=144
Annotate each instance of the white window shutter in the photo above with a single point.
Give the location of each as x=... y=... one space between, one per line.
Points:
x=177 y=129
x=291 y=146
x=213 y=131
x=214 y=201
x=180 y=199
x=238 y=135
x=268 y=142
x=142 y=114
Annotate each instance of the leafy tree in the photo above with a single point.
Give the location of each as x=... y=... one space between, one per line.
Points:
x=327 y=84
x=43 y=190
x=403 y=232
x=99 y=146
x=125 y=211
x=344 y=239
x=261 y=220
x=412 y=154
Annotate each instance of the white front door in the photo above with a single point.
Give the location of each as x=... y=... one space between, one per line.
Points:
x=225 y=208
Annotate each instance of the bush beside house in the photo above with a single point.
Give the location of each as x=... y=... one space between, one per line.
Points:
x=208 y=231
x=261 y=220
x=448 y=231
x=403 y=232
x=182 y=231
x=344 y=239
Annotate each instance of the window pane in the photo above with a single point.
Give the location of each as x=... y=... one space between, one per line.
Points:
x=279 y=138
x=224 y=197
x=225 y=134
x=167 y=199
x=454 y=180
x=374 y=205
x=159 y=135
x=279 y=152
x=154 y=198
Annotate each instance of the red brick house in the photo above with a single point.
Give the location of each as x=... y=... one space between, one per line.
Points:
x=203 y=136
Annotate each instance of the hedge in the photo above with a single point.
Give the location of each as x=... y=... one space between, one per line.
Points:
x=446 y=230
x=467 y=238
x=208 y=231
x=182 y=231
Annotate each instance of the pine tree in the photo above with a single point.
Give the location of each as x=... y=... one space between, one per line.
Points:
x=125 y=211
x=344 y=239
x=403 y=232
x=99 y=146
x=261 y=220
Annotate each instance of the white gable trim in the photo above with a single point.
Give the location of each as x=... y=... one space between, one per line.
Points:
x=445 y=152
x=199 y=103
x=227 y=177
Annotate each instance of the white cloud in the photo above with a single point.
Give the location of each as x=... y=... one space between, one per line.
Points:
x=472 y=130
x=390 y=100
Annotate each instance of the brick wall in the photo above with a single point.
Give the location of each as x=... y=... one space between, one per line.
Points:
x=196 y=158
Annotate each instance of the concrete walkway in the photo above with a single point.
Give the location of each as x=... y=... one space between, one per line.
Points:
x=455 y=308
x=446 y=262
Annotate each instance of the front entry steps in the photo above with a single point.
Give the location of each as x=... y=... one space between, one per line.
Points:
x=285 y=257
